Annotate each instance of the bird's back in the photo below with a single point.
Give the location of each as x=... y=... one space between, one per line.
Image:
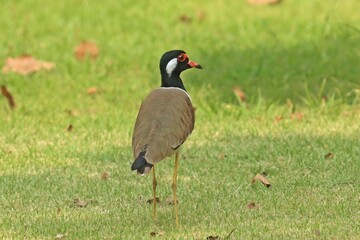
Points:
x=165 y=119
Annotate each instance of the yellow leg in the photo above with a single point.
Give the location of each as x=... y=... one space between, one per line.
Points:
x=154 y=190
x=174 y=188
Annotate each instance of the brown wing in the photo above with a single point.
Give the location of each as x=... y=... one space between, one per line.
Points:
x=165 y=119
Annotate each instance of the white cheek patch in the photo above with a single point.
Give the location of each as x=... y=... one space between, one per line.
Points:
x=171 y=66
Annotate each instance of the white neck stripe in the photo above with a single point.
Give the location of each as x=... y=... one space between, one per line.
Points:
x=178 y=89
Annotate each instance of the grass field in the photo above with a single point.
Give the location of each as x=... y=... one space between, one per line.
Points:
x=298 y=57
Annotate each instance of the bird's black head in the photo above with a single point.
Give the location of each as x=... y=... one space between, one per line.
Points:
x=172 y=63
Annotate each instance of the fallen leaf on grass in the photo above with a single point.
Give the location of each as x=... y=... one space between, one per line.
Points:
x=251 y=205
x=296 y=115
x=185 y=19
x=170 y=201
x=70 y=128
x=26 y=65
x=213 y=238
x=80 y=203
x=86 y=49
x=239 y=93
x=60 y=236
x=92 y=91
x=160 y=233
x=151 y=200
x=278 y=118
x=329 y=155
x=8 y=96
x=104 y=176
x=262 y=179
x=263 y=2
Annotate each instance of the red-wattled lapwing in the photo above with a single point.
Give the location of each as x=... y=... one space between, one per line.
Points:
x=165 y=119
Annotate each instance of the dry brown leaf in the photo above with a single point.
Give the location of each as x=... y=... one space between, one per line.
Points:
x=297 y=115
x=80 y=203
x=251 y=205
x=26 y=65
x=104 y=176
x=239 y=93
x=262 y=179
x=263 y=2
x=70 y=128
x=86 y=49
x=150 y=201
x=278 y=118
x=170 y=201
x=213 y=238
x=8 y=96
x=160 y=233
x=92 y=90
x=329 y=155
x=185 y=19
x=60 y=236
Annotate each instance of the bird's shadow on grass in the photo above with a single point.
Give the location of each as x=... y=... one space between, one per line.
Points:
x=212 y=172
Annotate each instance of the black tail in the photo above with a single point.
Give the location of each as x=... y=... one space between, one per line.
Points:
x=140 y=164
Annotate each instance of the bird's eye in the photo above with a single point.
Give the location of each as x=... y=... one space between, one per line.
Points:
x=182 y=57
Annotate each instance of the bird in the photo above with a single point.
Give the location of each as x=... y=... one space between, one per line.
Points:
x=165 y=119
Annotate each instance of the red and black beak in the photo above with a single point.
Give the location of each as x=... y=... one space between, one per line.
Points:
x=193 y=64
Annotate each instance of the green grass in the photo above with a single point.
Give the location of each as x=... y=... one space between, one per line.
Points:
x=286 y=58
